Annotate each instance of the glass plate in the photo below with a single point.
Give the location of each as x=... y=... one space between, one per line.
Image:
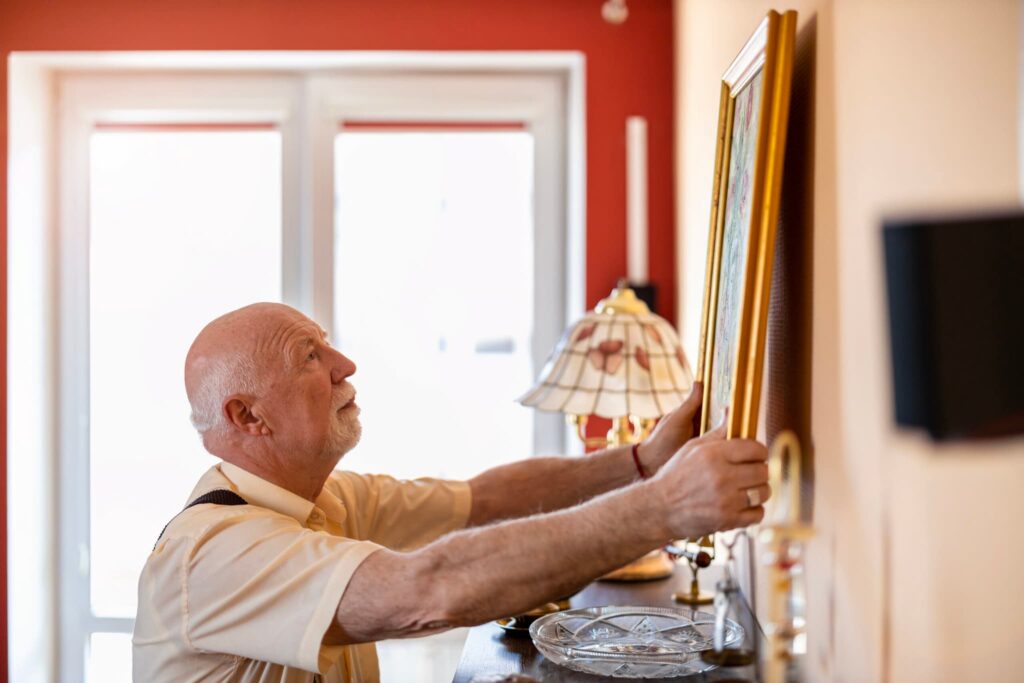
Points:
x=630 y=642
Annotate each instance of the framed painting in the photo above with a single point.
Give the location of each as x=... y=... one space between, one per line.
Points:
x=753 y=113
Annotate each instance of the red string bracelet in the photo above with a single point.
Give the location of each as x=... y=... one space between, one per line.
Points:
x=636 y=461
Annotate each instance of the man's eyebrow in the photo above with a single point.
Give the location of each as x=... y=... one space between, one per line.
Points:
x=296 y=350
x=306 y=342
x=301 y=344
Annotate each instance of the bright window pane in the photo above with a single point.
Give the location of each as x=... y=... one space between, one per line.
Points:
x=434 y=296
x=110 y=658
x=184 y=226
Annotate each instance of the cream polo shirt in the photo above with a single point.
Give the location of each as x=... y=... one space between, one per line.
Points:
x=246 y=592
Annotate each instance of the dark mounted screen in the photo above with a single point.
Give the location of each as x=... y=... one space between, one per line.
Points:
x=956 y=319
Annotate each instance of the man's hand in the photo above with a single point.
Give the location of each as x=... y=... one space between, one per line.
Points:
x=704 y=487
x=673 y=430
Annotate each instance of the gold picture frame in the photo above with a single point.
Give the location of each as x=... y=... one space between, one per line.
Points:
x=753 y=112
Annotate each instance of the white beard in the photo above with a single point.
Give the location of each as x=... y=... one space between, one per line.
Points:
x=344 y=434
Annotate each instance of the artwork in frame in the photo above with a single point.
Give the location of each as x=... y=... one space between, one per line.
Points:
x=753 y=112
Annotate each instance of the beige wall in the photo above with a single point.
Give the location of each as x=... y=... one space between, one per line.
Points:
x=916 y=108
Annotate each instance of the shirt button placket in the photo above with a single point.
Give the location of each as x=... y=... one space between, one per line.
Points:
x=316 y=520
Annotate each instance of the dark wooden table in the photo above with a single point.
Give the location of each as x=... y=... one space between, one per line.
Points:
x=490 y=650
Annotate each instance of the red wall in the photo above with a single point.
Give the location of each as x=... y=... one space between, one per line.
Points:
x=629 y=71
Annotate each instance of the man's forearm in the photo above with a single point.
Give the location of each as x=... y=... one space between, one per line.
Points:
x=545 y=484
x=476 y=575
x=544 y=557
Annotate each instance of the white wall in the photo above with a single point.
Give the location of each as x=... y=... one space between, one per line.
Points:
x=911 y=577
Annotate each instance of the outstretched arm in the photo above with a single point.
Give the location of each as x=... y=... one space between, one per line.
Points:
x=475 y=575
x=545 y=484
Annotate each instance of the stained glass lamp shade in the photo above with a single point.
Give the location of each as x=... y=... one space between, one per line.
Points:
x=619 y=361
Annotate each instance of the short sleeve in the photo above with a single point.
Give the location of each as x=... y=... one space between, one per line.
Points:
x=403 y=514
x=263 y=587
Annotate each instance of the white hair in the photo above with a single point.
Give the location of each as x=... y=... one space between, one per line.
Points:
x=227 y=374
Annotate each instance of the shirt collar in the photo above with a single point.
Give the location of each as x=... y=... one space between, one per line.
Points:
x=259 y=491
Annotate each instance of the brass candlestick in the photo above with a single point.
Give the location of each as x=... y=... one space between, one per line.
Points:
x=698 y=555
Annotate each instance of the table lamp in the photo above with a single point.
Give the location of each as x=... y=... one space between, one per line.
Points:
x=624 y=363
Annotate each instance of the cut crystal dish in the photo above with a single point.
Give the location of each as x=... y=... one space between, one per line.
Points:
x=631 y=642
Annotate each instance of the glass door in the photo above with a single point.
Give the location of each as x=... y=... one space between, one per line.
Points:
x=434 y=290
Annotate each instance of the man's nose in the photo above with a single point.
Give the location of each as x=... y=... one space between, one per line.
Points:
x=343 y=367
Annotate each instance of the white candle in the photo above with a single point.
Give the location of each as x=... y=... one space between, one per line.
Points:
x=636 y=199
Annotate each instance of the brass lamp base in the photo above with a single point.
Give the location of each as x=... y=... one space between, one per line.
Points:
x=695 y=596
x=653 y=565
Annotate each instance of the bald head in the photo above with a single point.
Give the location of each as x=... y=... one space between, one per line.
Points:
x=229 y=357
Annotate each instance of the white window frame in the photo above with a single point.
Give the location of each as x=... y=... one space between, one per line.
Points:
x=56 y=100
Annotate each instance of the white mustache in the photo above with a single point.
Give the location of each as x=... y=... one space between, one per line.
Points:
x=340 y=400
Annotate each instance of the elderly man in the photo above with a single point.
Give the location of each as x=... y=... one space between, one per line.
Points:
x=287 y=569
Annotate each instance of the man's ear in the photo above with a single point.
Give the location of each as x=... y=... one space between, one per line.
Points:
x=239 y=414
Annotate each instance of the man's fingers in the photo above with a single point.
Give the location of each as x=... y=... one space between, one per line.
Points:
x=746 y=450
x=690 y=407
x=715 y=434
x=750 y=516
x=751 y=474
x=696 y=390
x=693 y=401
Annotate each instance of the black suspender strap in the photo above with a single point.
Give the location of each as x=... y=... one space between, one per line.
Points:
x=215 y=497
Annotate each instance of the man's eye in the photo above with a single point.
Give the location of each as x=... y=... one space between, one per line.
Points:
x=311 y=356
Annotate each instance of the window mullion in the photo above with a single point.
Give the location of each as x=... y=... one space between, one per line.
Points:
x=94 y=624
x=321 y=126
x=295 y=288
x=73 y=406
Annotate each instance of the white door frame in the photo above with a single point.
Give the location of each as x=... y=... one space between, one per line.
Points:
x=299 y=92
